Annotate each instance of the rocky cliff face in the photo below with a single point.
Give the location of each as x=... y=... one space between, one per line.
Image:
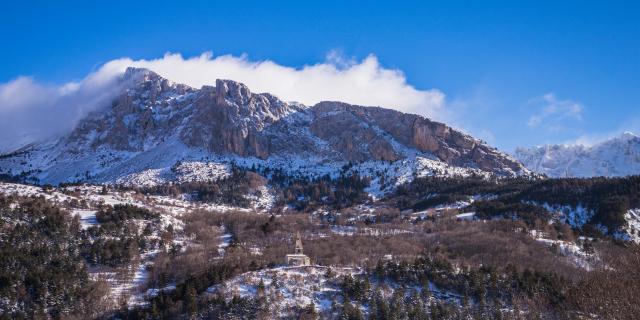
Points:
x=377 y=127
x=229 y=119
x=224 y=118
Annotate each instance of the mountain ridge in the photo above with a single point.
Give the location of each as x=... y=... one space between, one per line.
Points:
x=155 y=123
x=618 y=156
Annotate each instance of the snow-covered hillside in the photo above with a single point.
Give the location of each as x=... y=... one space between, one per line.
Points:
x=85 y=201
x=619 y=156
x=288 y=289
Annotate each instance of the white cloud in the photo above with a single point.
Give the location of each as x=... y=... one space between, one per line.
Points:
x=30 y=111
x=33 y=111
x=554 y=111
x=363 y=82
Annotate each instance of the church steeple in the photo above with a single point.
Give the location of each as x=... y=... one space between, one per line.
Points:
x=298 y=249
x=298 y=258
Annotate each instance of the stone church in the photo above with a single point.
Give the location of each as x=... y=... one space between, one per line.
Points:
x=298 y=258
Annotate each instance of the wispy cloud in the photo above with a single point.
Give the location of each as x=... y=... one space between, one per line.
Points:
x=552 y=112
x=32 y=111
x=631 y=125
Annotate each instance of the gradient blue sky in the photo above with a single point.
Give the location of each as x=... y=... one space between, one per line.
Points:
x=515 y=73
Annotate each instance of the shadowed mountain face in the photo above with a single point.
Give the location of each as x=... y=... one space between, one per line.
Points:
x=230 y=120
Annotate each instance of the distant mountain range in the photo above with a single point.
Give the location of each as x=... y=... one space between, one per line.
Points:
x=619 y=156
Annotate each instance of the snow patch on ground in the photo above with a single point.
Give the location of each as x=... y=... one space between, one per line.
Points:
x=632 y=229
x=87 y=217
x=575 y=217
x=578 y=256
x=288 y=287
x=365 y=231
x=225 y=241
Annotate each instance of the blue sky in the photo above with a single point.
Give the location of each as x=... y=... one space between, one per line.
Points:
x=513 y=73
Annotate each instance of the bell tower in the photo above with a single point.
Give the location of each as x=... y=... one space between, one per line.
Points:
x=298 y=249
x=298 y=258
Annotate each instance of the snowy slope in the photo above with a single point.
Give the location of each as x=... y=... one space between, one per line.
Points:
x=286 y=289
x=619 y=156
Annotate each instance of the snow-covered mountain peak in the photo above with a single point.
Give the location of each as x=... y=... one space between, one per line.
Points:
x=628 y=136
x=618 y=156
x=133 y=73
x=140 y=79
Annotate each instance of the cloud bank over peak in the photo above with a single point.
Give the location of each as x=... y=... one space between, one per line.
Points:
x=31 y=111
x=364 y=82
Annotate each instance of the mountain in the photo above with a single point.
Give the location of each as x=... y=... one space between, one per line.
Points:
x=619 y=156
x=156 y=126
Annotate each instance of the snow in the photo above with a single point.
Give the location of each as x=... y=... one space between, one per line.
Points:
x=575 y=217
x=87 y=217
x=365 y=231
x=139 y=279
x=264 y=200
x=344 y=230
x=632 y=229
x=619 y=156
x=571 y=250
x=466 y=216
x=455 y=205
x=579 y=216
x=155 y=291
x=125 y=284
x=287 y=287
x=90 y=198
x=225 y=241
x=201 y=171
x=23 y=190
x=146 y=178
x=172 y=161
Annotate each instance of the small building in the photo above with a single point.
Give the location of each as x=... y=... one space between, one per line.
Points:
x=298 y=258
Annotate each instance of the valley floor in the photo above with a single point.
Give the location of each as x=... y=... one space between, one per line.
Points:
x=216 y=260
